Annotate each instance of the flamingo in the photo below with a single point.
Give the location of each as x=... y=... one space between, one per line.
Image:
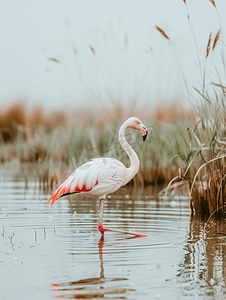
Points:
x=102 y=176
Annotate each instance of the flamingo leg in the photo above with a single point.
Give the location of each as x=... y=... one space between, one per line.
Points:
x=102 y=229
x=100 y=226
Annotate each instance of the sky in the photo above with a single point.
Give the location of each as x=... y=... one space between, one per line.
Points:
x=107 y=51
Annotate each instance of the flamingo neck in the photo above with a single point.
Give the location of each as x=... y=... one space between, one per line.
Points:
x=134 y=160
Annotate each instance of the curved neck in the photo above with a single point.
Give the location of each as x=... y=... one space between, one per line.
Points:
x=134 y=160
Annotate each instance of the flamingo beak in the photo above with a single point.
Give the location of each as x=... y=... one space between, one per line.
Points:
x=144 y=131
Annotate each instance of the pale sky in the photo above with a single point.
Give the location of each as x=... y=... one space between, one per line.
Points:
x=121 y=34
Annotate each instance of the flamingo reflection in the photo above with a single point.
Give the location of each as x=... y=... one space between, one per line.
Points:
x=87 y=288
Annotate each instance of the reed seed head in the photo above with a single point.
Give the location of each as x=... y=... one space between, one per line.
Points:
x=162 y=32
x=53 y=59
x=208 y=45
x=213 y=2
x=92 y=49
x=216 y=39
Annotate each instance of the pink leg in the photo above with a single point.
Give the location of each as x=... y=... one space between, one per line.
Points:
x=102 y=229
x=100 y=226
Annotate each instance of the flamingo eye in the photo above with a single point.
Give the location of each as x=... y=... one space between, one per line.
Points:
x=138 y=122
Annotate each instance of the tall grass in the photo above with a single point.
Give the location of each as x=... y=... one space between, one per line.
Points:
x=54 y=145
x=202 y=151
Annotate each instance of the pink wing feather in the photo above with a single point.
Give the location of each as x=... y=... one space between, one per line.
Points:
x=98 y=177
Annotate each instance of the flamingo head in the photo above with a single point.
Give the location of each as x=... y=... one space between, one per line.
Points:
x=136 y=124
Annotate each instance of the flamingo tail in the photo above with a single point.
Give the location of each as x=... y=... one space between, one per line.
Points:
x=66 y=190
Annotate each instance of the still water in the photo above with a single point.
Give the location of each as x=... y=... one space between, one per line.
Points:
x=50 y=253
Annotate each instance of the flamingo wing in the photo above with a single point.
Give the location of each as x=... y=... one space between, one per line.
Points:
x=98 y=177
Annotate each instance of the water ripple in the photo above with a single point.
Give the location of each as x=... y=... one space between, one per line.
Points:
x=57 y=250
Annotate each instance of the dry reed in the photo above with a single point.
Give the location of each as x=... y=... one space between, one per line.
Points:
x=208 y=45
x=53 y=59
x=162 y=32
x=213 y=2
x=92 y=49
x=216 y=39
x=15 y=114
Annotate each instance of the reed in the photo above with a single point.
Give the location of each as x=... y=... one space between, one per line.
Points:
x=208 y=45
x=213 y=2
x=54 y=145
x=202 y=150
x=216 y=39
x=9 y=119
x=201 y=158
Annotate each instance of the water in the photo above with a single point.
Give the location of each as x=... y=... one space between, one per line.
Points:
x=48 y=253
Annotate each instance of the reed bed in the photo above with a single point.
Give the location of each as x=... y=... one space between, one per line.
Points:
x=54 y=145
x=203 y=150
x=204 y=155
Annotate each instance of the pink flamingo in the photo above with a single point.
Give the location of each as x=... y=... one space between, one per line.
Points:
x=102 y=176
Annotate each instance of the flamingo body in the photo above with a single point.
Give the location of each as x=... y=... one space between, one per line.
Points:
x=98 y=177
x=102 y=176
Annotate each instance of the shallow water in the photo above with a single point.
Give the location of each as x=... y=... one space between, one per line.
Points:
x=56 y=252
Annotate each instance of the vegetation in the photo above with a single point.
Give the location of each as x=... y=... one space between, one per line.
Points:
x=203 y=151
x=56 y=144
x=183 y=145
